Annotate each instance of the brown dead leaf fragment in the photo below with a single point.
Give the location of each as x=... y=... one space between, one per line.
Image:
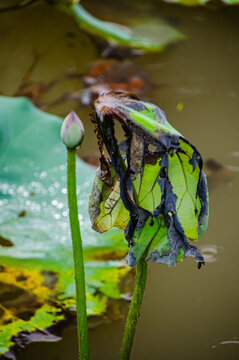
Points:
x=106 y=75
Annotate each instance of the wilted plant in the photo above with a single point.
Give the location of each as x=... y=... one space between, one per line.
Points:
x=152 y=187
x=156 y=192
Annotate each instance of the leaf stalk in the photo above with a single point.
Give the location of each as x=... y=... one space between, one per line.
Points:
x=78 y=256
x=134 y=310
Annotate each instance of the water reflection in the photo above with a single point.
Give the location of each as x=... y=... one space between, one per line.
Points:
x=209 y=252
x=228 y=342
x=233 y=168
x=233 y=158
x=234 y=341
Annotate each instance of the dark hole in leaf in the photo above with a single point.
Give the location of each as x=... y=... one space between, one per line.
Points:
x=50 y=279
x=17 y=300
x=22 y=213
x=1 y=312
x=6 y=322
x=9 y=292
x=5 y=242
x=25 y=315
x=21 y=278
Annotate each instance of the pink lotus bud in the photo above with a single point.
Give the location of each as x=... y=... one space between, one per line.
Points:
x=72 y=131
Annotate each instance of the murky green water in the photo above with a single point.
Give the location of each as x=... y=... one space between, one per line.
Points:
x=187 y=313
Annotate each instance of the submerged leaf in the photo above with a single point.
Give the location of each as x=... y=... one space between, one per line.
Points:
x=158 y=196
x=36 y=271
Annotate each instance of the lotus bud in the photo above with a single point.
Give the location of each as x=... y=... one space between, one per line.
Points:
x=72 y=131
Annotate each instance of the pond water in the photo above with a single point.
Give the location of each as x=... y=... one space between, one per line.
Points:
x=186 y=313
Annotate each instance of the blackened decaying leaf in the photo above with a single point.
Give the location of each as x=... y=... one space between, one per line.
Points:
x=159 y=197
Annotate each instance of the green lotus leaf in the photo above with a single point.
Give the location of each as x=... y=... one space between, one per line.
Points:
x=36 y=266
x=158 y=196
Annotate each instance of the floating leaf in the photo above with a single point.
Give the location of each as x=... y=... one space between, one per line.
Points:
x=154 y=35
x=147 y=36
x=159 y=195
x=36 y=271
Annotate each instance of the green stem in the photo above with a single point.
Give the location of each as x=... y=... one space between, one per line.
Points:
x=134 y=310
x=78 y=256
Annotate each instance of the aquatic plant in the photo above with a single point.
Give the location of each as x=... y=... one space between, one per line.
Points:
x=156 y=192
x=36 y=262
x=140 y=36
x=72 y=133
